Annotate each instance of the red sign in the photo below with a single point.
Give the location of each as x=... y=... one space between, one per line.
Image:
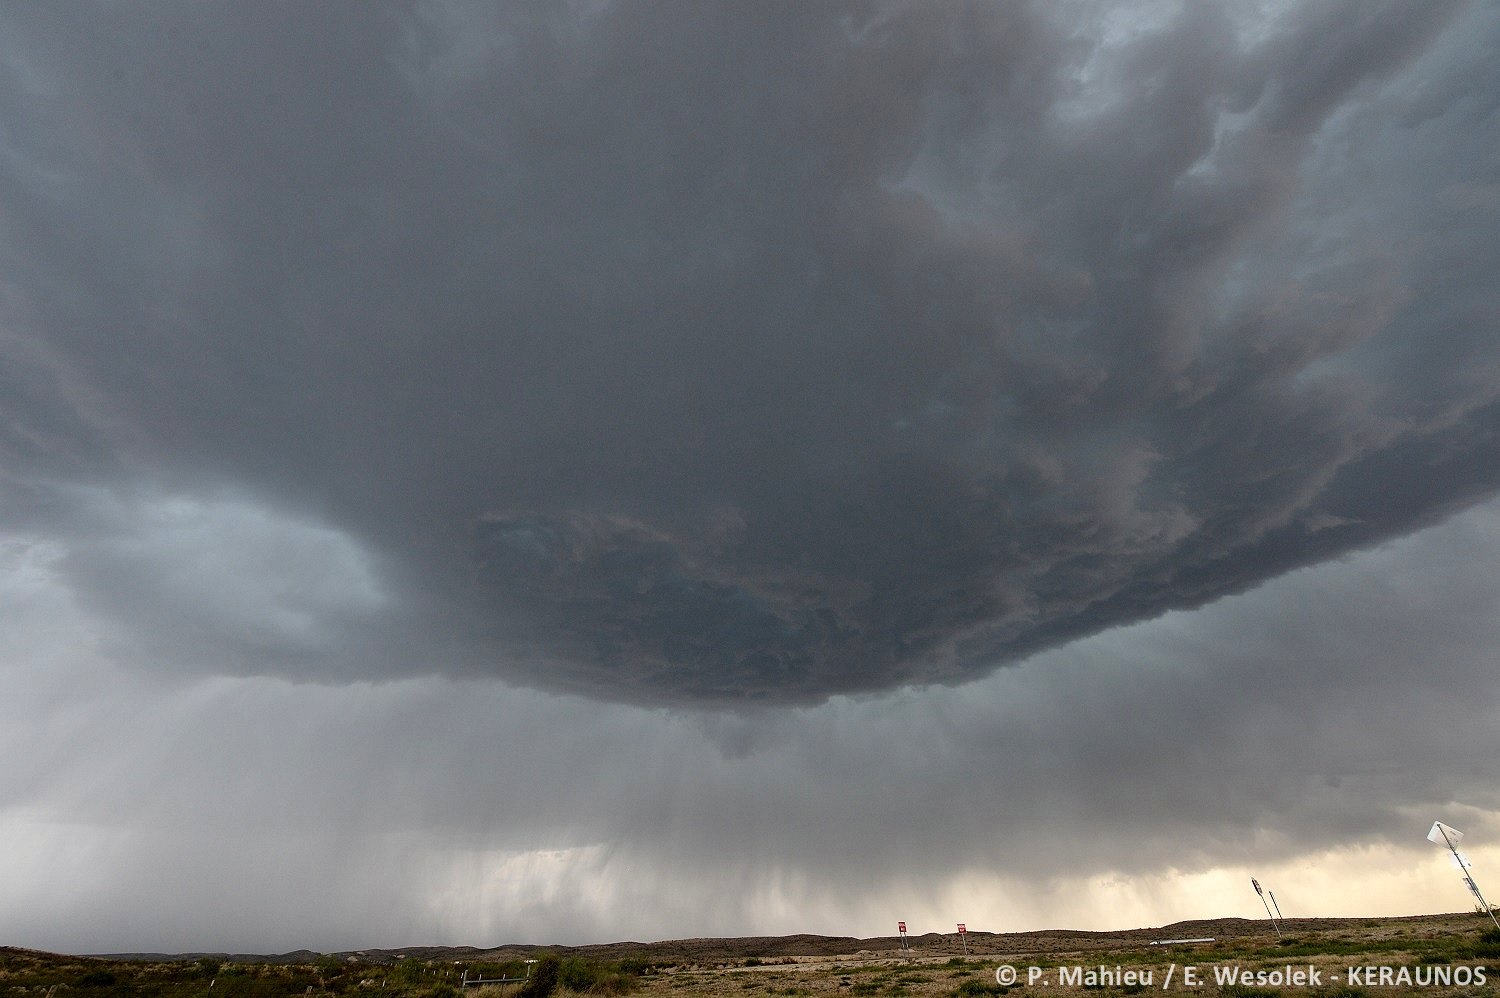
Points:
x=901 y=927
x=961 y=929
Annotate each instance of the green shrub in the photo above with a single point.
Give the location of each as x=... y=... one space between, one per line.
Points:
x=613 y=983
x=543 y=980
x=581 y=974
x=576 y=973
x=1485 y=947
x=409 y=971
x=976 y=988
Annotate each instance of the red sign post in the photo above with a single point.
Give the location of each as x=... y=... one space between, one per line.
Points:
x=901 y=928
x=963 y=937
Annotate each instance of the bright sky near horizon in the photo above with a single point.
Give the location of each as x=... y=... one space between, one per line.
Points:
x=476 y=473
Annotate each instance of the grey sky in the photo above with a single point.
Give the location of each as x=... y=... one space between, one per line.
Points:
x=657 y=414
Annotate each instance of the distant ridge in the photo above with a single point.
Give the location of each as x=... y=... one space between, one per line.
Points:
x=712 y=951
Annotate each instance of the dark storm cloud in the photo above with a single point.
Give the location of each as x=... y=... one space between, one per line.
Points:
x=1338 y=709
x=685 y=353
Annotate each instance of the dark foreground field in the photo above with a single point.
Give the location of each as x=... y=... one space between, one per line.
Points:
x=1432 y=955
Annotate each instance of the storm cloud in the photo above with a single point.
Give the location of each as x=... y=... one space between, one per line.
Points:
x=725 y=355
x=1306 y=733
x=581 y=471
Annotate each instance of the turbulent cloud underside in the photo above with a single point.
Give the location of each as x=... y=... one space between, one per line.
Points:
x=719 y=354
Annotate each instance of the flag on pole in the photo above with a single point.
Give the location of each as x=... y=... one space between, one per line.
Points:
x=1256 y=884
x=1444 y=835
x=1449 y=837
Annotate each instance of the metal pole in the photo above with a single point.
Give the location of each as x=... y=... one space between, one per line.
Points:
x=1273 y=901
x=1261 y=894
x=1463 y=870
x=1271 y=917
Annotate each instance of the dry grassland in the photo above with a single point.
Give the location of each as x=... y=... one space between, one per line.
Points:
x=1457 y=951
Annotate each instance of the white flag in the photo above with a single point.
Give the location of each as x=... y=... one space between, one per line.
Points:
x=1440 y=830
